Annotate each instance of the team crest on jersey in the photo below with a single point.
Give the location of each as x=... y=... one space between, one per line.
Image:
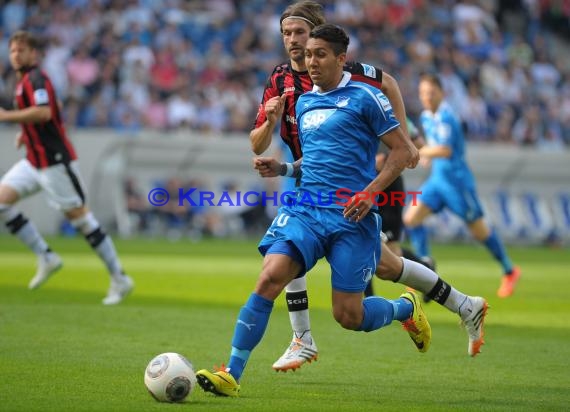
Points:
x=41 y=96
x=384 y=101
x=19 y=90
x=369 y=71
x=314 y=119
x=342 y=101
x=443 y=132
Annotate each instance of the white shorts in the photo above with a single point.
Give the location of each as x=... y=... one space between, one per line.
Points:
x=61 y=183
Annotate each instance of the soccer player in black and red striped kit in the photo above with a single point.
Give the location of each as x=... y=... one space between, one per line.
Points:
x=287 y=82
x=50 y=166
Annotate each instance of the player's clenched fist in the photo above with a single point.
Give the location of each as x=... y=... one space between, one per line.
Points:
x=274 y=108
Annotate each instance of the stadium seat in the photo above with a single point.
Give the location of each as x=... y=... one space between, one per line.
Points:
x=538 y=217
x=445 y=226
x=560 y=205
x=507 y=215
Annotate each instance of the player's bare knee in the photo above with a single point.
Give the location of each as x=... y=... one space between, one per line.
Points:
x=272 y=281
x=266 y=286
x=390 y=267
x=348 y=319
x=76 y=212
x=385 y=272
x=349 y=323
x=8 y=196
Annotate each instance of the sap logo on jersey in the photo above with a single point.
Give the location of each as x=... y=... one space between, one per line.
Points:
x=316 y=118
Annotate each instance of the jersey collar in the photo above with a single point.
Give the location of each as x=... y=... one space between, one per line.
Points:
x=25 y=69
x=346 y=76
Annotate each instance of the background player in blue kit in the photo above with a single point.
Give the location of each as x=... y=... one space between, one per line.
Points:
x=451 y=183
x=340 y=123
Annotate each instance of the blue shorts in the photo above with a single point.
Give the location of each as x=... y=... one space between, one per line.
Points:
x=463 y=201
x=352 y=249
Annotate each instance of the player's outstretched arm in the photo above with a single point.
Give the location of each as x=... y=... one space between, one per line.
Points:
x=267 y=166
x=436 y=151
x=271 y=167
x=33 y=114
x=260 y=137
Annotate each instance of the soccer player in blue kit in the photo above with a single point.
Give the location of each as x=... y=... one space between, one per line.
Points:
x=340 y=123
x=451 y=183
x=285 y=85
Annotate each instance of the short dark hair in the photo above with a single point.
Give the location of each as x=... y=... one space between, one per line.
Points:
x=25 y=37
x=333 y=34
x=308 y=10
x=431 y=78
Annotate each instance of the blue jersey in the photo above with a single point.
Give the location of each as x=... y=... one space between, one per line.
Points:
x=443 y=128
x=346 y=160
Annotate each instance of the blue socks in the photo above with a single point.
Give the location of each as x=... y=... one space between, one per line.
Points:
x=420 y=240
x=254 y=317
x=495 y=246
x=250 y=327
x=379 y=312
x=403 y=309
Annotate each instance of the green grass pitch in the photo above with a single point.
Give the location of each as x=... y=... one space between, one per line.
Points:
x=61 y=350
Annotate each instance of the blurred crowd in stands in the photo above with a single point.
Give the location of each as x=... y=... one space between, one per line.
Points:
x=176 y=64
x=226 y=214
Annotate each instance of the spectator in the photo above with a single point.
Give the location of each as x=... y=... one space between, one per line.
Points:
x=14 y=15
x=137 y=205
x=553 y=138
x=529 y=129
x=155 y=114
x=137 y=52
x=181 y=110
x=164 y=74
x=56 y=57
x=82 y=72
x=475 y=115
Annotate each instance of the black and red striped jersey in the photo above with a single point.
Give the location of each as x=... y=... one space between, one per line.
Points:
x=46 y=142
x=293 y=83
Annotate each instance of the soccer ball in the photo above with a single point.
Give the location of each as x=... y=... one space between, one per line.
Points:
x=170 y=377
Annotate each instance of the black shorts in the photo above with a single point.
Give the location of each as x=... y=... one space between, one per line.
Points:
x=392 y=224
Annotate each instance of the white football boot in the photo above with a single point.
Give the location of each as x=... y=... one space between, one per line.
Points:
x=119 y=289
x=296 y=355
x=48 y=264
x=474 y=320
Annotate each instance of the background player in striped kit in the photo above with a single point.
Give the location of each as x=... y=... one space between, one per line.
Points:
x=50 y=166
